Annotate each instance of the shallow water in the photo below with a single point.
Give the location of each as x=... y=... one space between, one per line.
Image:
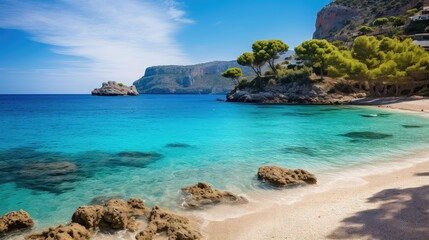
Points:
x=58 y=152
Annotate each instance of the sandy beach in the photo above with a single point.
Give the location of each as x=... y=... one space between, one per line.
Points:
x=389 y=206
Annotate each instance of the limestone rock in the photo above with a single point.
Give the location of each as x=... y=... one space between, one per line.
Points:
x=15 y=220
x=73 y=231
x=202 y=194
x=116 y=214
x=279 y=176
x=112 y=88
x=175 y=226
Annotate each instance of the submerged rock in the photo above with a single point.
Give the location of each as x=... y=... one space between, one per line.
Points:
x=116 y=214
x=137 y=159
x=280 y=176
x=101 y=200
x=47 y=176
x=15 y=220
x=112 y=88
x=366 y=135
x=202 y=194
x=177 y=145
x=412 y=126
x=175 y=226
x=73 y=231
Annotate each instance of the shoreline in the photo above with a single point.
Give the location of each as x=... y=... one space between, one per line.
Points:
x=327 y=212
x=384 y=205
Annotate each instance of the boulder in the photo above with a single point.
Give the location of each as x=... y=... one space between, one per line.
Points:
x=73 y=231
x=280 y=176
x=116 y=214
x=14 y=221
x=175 y=226
x=112 y=88
x=202 y=194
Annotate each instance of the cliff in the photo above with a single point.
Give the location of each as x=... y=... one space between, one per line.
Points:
x=341 y=19
x=112 y=88
x=202 y=78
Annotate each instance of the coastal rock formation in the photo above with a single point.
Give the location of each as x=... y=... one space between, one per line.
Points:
x=292 y=93
x=15 y=220
x=112 y=88
x=332 y=18
x=280 y=176
x=204 y=78
x=342 y=19
x=202 y=194
x=73 y=231
x=115 y=214
x=175 y=226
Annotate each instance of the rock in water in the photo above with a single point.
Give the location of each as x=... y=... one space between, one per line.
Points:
x=116 y=214
x=112 y=88
x=175 y=226
x=279 y=176
x=14 y=221
x=202 y=194
x=73 y=231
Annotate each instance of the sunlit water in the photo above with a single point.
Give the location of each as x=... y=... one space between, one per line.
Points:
x=58 y=152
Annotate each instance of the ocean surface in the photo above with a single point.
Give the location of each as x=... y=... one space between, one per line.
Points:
x=58 y=152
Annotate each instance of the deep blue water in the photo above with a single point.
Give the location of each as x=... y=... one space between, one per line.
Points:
x=58 y=152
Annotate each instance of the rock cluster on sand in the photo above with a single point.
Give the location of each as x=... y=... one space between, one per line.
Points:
x=202 y=194
x=115 y=214
x=15 y=220
x=279 y=176
x=73 y=231
x=112 y=88
x=176 y=227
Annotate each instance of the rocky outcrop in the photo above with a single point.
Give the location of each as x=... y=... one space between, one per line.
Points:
x=280 y=176
x=112 y=88
x=342 y=19
x=116 y=214
x=204 y=78
x=292 y=93
x=73 y=231
x=175 y=226
x=202 y=194
x=332 y=18
x=14 y=221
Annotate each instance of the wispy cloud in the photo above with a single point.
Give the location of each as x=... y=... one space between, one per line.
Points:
x=117 y=39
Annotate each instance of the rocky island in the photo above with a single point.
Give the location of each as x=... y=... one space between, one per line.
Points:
x=112 y=88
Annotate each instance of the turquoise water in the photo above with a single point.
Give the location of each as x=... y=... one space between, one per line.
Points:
x=58 y=152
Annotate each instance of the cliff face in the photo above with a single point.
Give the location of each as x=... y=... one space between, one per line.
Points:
x=202 y=78
x=342 y=19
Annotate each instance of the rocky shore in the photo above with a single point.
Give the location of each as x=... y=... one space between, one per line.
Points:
x=115 y=215
x=294 y=93
x=112 y=88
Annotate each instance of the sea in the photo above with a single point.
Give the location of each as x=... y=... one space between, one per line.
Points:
x=59 y=152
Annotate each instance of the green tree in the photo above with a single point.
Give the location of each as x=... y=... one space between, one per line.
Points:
x=366 y=30
x=267 y=51
x=380 y=22
x=397 y=21
x=248 y=59
x=412 y=12
x=427 y=29
x=233 y=73
x=315 y=53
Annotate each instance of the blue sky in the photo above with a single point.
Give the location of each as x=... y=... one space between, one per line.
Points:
x=72 y=46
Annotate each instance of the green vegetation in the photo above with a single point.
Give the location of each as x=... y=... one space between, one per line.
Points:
x=366 y=29
x=412 y=12
x=397 y=21
x=380 y=22
x=121 y=85
x=381 y=63
x=315 y=53
x=264 y=51
x=234 y=74
x=427 y=29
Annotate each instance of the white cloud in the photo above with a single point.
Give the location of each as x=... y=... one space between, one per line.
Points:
x=118 y=39
x=177 y=14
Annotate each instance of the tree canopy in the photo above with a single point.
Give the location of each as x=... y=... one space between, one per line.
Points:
x=233 y=73
x=315 y=52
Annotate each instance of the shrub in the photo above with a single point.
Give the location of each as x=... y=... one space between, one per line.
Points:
x=301 y=76
x=121 y=85
x=242 y=84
